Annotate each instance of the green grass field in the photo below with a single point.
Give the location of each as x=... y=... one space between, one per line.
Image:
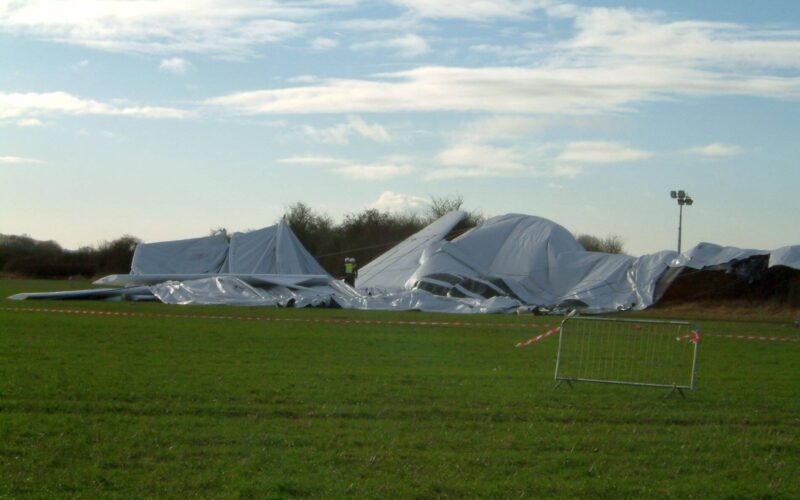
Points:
x=155 y=406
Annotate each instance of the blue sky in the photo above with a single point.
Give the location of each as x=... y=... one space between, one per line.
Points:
x=164 y=119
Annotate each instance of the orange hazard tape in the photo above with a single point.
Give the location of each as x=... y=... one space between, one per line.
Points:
x=272 y=318
x=539 y=337
x=754 y=337
x=88 y=312
x=694 y=336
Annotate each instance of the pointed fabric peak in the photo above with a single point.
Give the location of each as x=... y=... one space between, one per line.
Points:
x=191 y=256
x=270 y=250
x=393 y=268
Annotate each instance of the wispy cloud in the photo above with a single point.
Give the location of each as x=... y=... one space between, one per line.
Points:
x=545 y=91
x=502 y=128
x=163 y=26
x=474 y=160
x=507 y=146
x=407 y=46
x=354 y=170
x=402 y=23
x=31 y=105
x=341 y=133
x=82 y=64
x=490 y=159
x=175 y=65
x=474 y=10
x=643 y=35
x=314 y=161
x=613 y=61
x=374 y=171
x=303 y=79
x=389 y=201
x=30 y=122
x=601 y=152
x=321 y=43
x=716 y=150
x=18 y=160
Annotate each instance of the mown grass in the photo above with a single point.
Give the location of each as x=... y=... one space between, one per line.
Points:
x=143 y=406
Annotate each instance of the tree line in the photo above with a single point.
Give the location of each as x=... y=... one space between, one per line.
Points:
x=362 y=235
x=26 y=257
x=367 y=234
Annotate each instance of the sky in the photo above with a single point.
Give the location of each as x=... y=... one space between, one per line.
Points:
x=165 y=119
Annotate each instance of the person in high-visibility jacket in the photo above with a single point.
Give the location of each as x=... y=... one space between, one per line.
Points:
x=350 y=271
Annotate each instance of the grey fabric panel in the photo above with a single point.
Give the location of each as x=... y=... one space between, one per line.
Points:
x=710 y=254
x=786 y=256
x=537 y=262
x=191 y=256
x=271 y=250
x=392 y=269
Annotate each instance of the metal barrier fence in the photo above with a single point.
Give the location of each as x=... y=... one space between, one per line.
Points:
x=628 y=352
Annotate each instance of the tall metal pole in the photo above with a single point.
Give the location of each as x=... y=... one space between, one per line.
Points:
x=680 y=225
x=683 y=198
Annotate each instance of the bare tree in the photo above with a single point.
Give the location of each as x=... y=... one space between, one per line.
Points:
x=441 y=205
x=610 y=244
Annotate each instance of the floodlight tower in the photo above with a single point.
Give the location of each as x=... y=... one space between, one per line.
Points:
x=683 y=198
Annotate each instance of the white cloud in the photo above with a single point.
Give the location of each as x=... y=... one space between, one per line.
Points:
x=402 y=23
x=716 y=150
x=303 y=79
x=508 y=146
x=18 y=160
x=389 y=201
x=600 y=152
x=322 y=43
x=616 y=59
x=570 y=171
x=542 y=90
x=644 y=35
x=225 y=27
x=502 y=127
x=26 y=106
x=30 y=122
x=341 y=133
x=353 y=170
x=468 y=160
x=314 y=161
x=374 y=171
x=500 y=147
x=408 y=46
x=480 y=155
x=83 y=63
x=474 y=10
x=175 y=65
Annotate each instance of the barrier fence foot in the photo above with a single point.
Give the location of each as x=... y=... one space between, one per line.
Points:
x=561 y=381
x=673 y=391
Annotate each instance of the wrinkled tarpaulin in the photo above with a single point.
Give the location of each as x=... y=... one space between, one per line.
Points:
x=509 y=262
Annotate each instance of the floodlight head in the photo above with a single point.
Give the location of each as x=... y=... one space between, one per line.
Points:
x=673 y=194
x=681 y=194
x=689 y=200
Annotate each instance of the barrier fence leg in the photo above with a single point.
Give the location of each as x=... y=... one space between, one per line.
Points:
x=673 y=391
x=561 y=381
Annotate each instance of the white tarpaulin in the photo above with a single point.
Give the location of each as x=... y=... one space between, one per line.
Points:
x=271 y=250
x=228 y=290
x=192 y=256
x=509 y=262
x=391 y=270
x=708 y=255
x=533 y=261
x=785 y=256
